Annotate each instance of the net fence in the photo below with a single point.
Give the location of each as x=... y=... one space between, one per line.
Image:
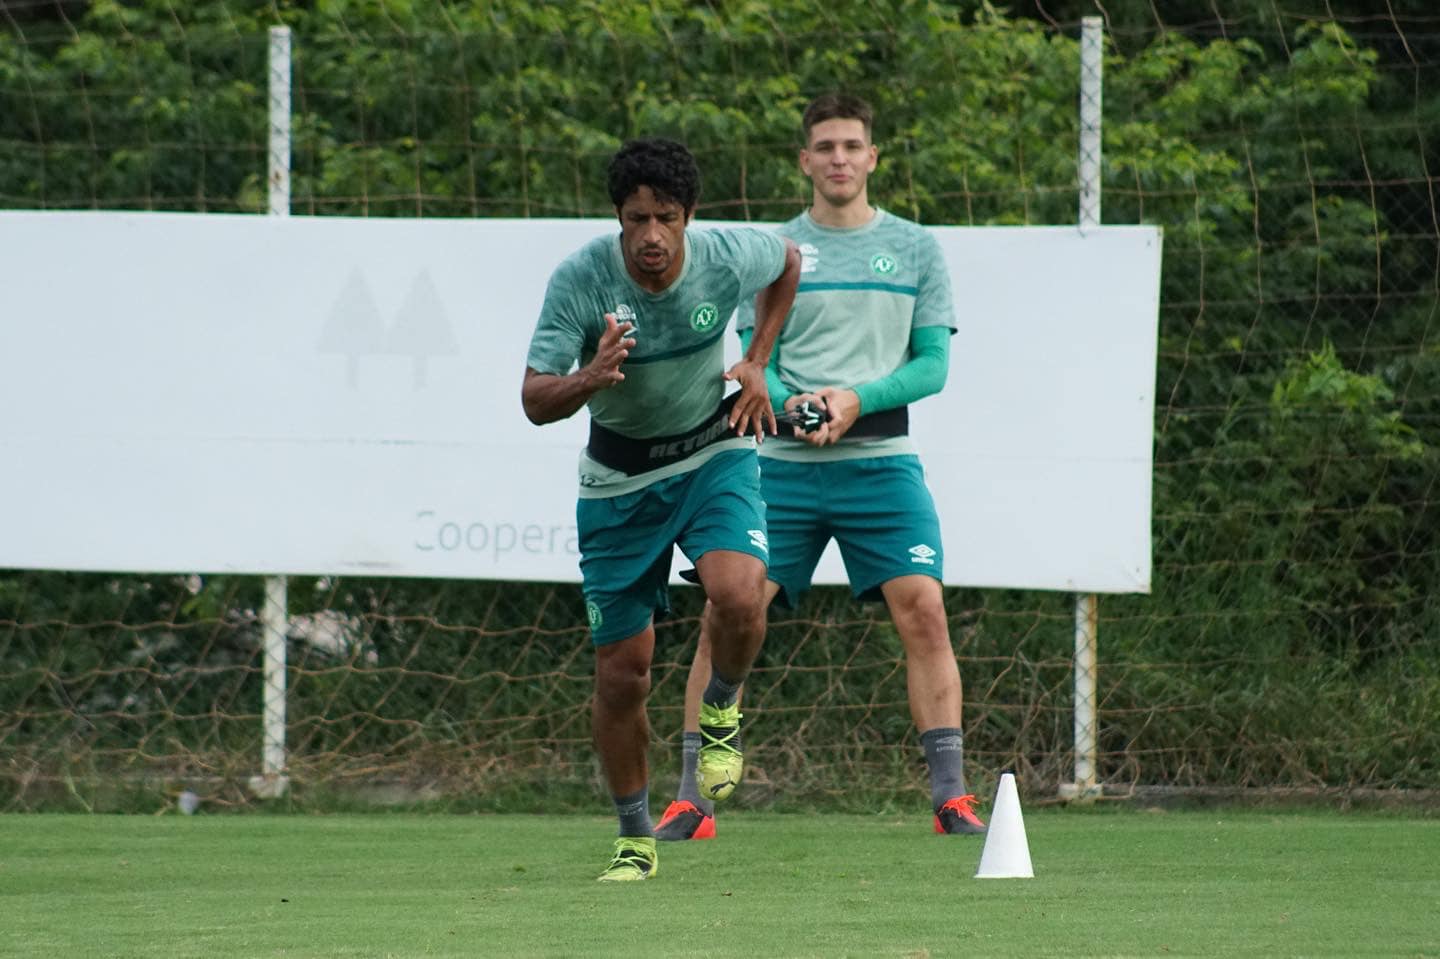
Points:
x=1288 y=150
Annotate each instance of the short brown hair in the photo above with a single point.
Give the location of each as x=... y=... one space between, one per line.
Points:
x=836 y=106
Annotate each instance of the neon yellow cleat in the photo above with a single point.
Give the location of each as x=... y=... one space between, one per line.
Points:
x=634 y=859
x=721 y=762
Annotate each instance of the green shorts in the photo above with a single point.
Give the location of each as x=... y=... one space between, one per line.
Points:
x=878 y=510
x=626 y=542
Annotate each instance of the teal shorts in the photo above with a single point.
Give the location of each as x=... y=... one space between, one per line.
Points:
x=879 y=511
x=627 y=542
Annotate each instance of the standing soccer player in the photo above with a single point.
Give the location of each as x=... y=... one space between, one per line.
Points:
x=632 y=326
x=869 y=334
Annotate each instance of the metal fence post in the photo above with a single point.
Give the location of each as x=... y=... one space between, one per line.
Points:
x=274 y=615
x=1087 y=605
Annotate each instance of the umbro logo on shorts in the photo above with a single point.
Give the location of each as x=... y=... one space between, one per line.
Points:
x=922 y=554
x=757 y=537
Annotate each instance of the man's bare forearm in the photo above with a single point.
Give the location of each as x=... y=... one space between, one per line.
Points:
x=548 y=397
x=772 y=305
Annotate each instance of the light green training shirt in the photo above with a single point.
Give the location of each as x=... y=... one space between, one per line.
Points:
x=674 y=375
x=863 y=291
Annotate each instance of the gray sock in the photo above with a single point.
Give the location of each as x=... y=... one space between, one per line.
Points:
x=720 y=692
x=689 y=789
x=945 y=755
x=634 y=812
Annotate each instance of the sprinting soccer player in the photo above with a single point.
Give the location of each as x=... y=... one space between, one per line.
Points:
x=632 y=327
x=869 y=334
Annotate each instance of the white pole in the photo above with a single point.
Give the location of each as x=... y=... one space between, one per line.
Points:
x=1092 y=45
x=272 y=781
x=1087 y=605
x=274 y=615
x=1087 y=726
x=279 y=121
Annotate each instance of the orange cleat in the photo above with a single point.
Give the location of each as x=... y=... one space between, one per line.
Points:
x=684 y=820
x=957 y=817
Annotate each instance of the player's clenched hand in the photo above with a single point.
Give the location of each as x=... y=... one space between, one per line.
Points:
x=751 y=412
x=603 y=370
x=815 y=436
x=844 y=408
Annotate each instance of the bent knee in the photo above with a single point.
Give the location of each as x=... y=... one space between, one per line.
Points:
x=923 y=627
x=622 y=680
x=735 y=600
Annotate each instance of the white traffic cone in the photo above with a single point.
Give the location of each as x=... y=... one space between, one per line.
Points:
x=1006 y=854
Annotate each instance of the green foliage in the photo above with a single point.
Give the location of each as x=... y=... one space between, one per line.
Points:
x=1289 y=158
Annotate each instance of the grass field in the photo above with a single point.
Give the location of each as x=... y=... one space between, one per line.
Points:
x=1107 y=882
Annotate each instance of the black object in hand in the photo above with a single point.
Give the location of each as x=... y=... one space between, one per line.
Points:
x=805 y=418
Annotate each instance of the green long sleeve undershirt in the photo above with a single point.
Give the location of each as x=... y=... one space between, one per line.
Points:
x=923 y=375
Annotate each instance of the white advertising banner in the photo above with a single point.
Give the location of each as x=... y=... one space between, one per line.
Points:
x=208 y=393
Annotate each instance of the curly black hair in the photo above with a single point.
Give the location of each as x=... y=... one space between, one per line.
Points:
x=666 y=167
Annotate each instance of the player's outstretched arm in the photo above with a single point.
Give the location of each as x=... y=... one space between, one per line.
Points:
x=549 y=397
x=752 y=412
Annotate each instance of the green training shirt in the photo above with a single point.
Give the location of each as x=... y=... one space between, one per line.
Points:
x=674 y=374
x=863 y=290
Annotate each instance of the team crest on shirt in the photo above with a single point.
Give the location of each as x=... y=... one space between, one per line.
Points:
x=884 y=264
x=809 y=257
x=704 y=316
